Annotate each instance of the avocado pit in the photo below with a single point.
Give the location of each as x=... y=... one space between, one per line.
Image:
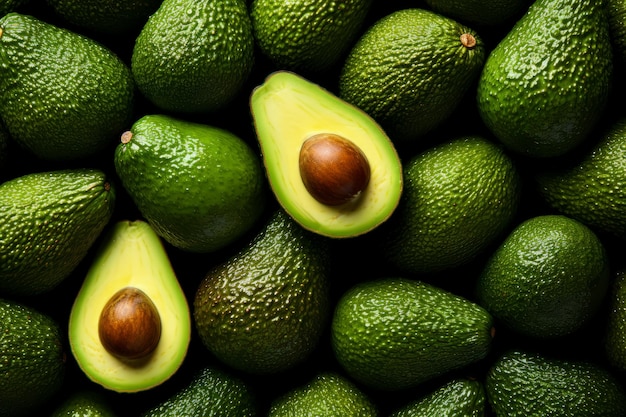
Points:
x=333 y=169
x=129 y=325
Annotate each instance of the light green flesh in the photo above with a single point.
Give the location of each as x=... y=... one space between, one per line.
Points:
x=288 y=109
x=133 y=257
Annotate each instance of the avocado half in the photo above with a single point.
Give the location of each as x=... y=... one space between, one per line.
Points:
x=288 y=109
x=131 y=256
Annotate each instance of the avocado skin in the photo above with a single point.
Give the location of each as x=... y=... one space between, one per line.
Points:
x=7 y=6
x=617 y=28
x=458 y=397
x=105 y=16
x=32 y=359
x=591 y=187
x=200 y=187
x=49 y=222
x=409 y=71
x=263 y=310
x=547 y=279
x=531 y=384
x=62 y=96
x=395 y=333
x=537 y=93
x=194 y=56
x=615 y=337
x=481 y=12
x=211 y=392
x=328 y=394
x=84 y=403
x=459 y=196
x=304 y=35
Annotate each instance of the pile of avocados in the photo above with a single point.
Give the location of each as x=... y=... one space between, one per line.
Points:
x=312 y=208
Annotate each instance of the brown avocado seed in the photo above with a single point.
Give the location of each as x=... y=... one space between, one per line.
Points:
x=333 y=169
x=130 y=325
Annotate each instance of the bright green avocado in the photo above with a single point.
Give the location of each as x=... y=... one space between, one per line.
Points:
x=304 y=35
x=288 y=110
x=538 y=93
x=327 y=394
x=410 y=70
x=84 y=403
x=457 y=397
x=130 y=258
x=395 y=333
x=63 y=96
x=547 y=279
x=264 y=309
x=211 y=392
x=200 y=187
x=194 y=55
x=32 y=359
x=48 y=223
x=531 y=384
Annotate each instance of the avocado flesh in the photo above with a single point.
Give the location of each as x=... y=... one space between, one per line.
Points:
x=287 y=109
x=131 y=256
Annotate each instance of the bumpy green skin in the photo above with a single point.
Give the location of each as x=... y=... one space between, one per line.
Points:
x=458 y=397
x=395 y=333
x=538 y=93
x=617 y=27
x=62 y=95
x=615 y=342
x=328 y=395
x=194 y=55
x=526 y=384
x=264 y=310
x=547 y=279
x=305 y=35
x=106 y=16
x=458 y=198
x=480 y=12
x=593 y=188
x=32 y=359
x=198 y=186
x=84 y=404
x=211 y=392
x=48 y=222
x=409 y=71
x=5 y=140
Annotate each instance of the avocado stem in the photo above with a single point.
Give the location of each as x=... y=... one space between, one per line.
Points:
x=468 y=40
x=126 y=136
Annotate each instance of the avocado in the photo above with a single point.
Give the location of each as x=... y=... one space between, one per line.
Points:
x=84 y=403
x=410 y=70
x=456 y=397
x=105 y=16
x=264 y=309
x=497 y=13
x=533 y=384
x=537 y=93
x=49 y=221
x=615 y=330
x=32 y=359
x=307 y=36
x=395 y=333
x=200 y=187
x=460 y=196
x=194 y=56
x=591 y=186
x=63 y=96
x=547 y=279
x=330 y=166
x=327 y=394
x=129 y=326
x=617 y=28
x=7 y=6
x=5 y=142
x=211 y=392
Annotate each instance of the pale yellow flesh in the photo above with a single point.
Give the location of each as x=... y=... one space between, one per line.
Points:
x=134 y=257
x=287 y=109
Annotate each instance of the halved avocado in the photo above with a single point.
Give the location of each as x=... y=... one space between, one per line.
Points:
x=133 y=282
x=349 y=182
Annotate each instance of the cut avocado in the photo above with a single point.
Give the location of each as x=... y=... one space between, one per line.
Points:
x=132 y=266
x=288 y=110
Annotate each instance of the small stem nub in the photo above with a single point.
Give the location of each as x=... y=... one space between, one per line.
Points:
x=468 y=40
